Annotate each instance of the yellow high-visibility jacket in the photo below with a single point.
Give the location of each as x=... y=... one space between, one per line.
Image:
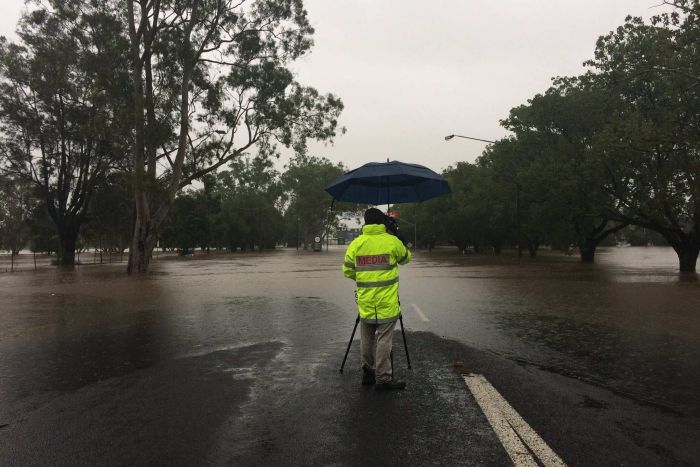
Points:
x=372 y=260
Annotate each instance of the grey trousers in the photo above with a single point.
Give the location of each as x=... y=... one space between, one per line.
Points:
x=376 y=348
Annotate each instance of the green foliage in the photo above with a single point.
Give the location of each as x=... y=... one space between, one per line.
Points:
x=424 y=221
x=250 y=216
x=478 y=212
x=97 y=100
x=307 y=214
x=109 y=221
x=235 y=209
x=16 y=204
x=43 y=232
x=64 y=121
x=619 y=145
x=188 y=225
x=563 y=201
x=650 y=147
x=214 y=83
x=252 y=206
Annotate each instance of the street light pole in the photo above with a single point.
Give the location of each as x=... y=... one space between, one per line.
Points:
x=517 y=191
x=449 y=137
x=517 y=219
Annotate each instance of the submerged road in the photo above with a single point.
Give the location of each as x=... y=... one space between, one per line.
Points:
x=234 y=359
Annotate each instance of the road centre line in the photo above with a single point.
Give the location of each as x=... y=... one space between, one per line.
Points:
x=517 y=437
x=421 y=315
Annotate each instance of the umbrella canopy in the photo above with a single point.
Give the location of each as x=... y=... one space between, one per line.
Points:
x=388 y=183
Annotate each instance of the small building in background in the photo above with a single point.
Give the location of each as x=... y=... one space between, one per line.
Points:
x=349 y=227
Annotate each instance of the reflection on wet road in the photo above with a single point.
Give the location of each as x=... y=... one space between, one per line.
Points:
x=629 y=323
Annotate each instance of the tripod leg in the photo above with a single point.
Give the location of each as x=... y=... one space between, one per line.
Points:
x=405 y=346
x=352 y=336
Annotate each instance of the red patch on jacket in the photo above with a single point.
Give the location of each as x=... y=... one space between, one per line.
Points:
x=372 y=260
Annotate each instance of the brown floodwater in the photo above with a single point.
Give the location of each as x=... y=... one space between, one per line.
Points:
x=629 y=323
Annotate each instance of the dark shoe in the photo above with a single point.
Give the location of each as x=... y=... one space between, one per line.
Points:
x=391 y=385
x=368 y=378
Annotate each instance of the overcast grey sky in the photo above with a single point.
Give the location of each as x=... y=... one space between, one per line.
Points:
x=411 y=72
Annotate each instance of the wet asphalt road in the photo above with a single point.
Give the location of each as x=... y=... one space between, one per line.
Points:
x=234 y=360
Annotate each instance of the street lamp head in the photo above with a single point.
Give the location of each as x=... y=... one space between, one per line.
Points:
x=221 y=132
x=449 y=137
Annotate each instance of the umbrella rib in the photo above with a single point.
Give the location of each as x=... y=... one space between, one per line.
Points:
x=381 y=184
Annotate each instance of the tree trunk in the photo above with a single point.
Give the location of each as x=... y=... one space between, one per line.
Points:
x=687 y=255
x=141 y=248
x=588 y=239
x=686 y=246
x=532 y=249
x=68 y=238
x=587 y=251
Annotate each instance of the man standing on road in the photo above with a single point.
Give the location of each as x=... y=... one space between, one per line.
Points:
x=372 y=261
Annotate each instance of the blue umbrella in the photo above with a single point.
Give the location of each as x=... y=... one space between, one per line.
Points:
x=388 y=183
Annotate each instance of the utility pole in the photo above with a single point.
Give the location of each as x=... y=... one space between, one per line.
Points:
x=517 y=220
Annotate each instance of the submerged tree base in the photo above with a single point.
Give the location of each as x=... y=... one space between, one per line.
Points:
x=141 y=249
x=587 y=254
x=688 y=259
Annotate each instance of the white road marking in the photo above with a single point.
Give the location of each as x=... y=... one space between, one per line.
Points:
x=513 y=432
x=421 y=315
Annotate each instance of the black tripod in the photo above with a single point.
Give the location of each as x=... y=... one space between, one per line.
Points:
x=403 y=334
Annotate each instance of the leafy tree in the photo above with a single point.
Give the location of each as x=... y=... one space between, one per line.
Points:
x=16 y=204
x=307 y=203
x=499 y=193
x=212 y=82
x=478 y=212
x=556 y=129
x=110 y=217
x=462 y=213
x=43 y=232
x=250 y=194
x=601 y=151
x=651 y=146
x=429 y=219
x=187 y=227
x=197 y=219
x=63 y=90
x=235 y=209
x=453 y=223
